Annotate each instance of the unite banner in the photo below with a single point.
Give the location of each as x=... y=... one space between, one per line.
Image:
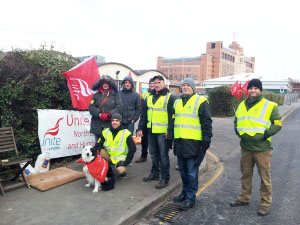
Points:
x=64 y=132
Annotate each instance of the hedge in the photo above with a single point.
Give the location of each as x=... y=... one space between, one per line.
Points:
x=223 y=104
x=31 y=80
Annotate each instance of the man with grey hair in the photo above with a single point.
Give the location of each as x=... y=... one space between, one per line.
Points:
x=192 y=133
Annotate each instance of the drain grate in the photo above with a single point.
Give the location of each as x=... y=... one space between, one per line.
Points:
x=169 y=212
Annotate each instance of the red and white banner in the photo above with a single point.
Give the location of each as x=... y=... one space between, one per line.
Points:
x=64 y=132
x=80 y=80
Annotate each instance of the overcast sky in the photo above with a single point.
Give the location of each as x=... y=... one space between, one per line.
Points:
x=136 y=32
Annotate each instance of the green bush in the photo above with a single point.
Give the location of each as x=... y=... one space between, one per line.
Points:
x=223 y=104
x=31 y=80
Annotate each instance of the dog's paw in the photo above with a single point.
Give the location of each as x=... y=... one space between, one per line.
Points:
x=95 y=190
x=88 y=185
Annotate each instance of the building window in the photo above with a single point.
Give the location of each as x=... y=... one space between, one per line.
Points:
x=233 y=58
x=171 y=77
x=213 y=45
x=194 y=77
x=175 y=77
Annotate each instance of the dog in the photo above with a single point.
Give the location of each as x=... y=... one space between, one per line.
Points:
x=98 y=172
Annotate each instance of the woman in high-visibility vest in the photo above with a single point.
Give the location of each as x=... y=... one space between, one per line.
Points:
x=256 y=120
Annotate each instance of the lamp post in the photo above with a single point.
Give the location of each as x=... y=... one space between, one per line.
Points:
x=182 y=75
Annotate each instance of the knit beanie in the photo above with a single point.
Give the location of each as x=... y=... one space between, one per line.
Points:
x=116 y=116
x=190 y=82
x=255 y=83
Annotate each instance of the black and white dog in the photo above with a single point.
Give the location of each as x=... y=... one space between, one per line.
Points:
x=97 y=170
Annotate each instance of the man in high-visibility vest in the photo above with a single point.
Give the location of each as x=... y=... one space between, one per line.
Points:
x=116 y=145
x=155 y=116
x=192 y=133
x=145 y=96
x=256 y=120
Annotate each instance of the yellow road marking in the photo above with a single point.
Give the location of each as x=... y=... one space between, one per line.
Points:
x=215 y=176
x=214 y=156
x=207 y=183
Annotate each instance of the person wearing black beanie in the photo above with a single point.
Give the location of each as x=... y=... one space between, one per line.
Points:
x=256 y=120
x=255 y=83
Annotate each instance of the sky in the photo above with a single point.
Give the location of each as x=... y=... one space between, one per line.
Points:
x=136 y=32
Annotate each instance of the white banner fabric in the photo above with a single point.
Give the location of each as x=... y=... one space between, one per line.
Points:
x=64 y=132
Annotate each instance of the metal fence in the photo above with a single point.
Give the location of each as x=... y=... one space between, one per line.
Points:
x=290 y=98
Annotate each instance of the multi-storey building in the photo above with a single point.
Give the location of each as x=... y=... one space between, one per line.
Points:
x=218 y=61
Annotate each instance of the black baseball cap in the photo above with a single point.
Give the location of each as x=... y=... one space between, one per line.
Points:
x=158 y=77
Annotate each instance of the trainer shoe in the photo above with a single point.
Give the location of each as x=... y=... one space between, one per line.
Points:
x=263 y=211
x=151 y=177
x=141 y=159
x=238 y=203
x=184 y=206
x=123 y=175
x=179 y=199
x=162 y=184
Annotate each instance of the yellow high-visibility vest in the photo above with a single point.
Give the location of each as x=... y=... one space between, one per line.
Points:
x=187 y=123
x=117 y=148
x=256 y=120
x=157 y=114
x=145 y=95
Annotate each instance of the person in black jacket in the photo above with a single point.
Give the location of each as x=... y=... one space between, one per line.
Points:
x=131 y=104
x=116 y=128
x=155 y=117
x=192 y=133
x=102 y=111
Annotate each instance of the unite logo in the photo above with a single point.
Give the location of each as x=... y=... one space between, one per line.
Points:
x=80 y=87
x=52 y=143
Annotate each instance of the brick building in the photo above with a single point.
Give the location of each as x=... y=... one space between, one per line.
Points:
x=218 y=61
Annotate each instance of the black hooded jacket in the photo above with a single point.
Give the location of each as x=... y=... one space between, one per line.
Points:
x=131 y=103
x=112 y=105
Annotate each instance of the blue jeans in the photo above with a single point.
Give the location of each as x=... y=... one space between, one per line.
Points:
x=159 y=155
x=188 y=169
x=130 y=127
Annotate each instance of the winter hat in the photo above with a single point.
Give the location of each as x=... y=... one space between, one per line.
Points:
x=190 y=82
x=158 y=77
x=151 y=80
x=255 y=83
x=116 y=116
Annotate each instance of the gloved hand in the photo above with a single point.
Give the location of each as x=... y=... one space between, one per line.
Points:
x=120 y=163
x=266 y=135
x=169 y=143
x=105 y=116
x=205 y=145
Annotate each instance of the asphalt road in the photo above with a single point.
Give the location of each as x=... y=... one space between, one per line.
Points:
x=213 y=203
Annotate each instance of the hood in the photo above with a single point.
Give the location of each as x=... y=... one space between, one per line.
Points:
x=108 y=80
x=129 y=79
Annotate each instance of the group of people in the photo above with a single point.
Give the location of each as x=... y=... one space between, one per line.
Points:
x=183 y=123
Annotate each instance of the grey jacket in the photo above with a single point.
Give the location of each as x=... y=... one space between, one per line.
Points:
x=131 y=103
x=112 y=105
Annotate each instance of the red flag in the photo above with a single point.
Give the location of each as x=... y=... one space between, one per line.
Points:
x=129 y=73
x=244 y=88
x=80 y=79
x=234 y=89
x=239 y=91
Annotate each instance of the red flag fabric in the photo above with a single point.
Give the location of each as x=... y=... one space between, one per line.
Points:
x=234 y=89
x=80 y=79
x=129 y=73
x=244 y=88
x=239 y=91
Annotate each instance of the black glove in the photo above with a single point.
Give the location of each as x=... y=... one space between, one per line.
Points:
x=205 y=145
x=266 y=135
x=120 y=163
x=169 y=143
